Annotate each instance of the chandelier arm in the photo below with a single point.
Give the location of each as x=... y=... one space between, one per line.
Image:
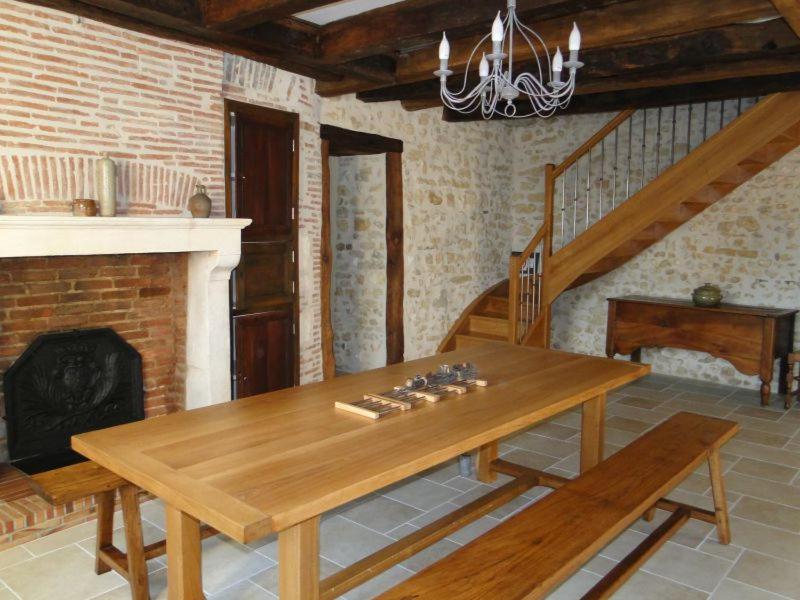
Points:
x=525 y=28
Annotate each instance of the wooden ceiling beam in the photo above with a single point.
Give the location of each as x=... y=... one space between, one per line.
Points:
x=617 y=24
x=419 y=23
x=695 y=55
x=790 y=10
x=727 y=89
x=128 y=16
x=667 y=78
x=233 y=15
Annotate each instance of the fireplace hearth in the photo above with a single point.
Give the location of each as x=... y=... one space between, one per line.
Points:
x=68 y=383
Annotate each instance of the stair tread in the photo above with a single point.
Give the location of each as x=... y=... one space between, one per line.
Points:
x=482 y=336
x=491 y=313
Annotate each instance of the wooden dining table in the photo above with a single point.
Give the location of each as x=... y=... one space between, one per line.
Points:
x=278 y=461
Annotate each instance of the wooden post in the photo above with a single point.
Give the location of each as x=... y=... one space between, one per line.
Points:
x=513 y=298
x=105 y=528
x=549 y=199
x=592 y=432
x=326 y=260
x=486 y=454
x=395 y=268
x=720 y=502
x=134 y=543
x=184 y=563
x=298 y=564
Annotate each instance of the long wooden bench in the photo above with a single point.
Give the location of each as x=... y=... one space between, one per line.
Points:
x=75 y=482
x=534 y=551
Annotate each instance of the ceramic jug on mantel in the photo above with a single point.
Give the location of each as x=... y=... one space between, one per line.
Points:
x=105 y=183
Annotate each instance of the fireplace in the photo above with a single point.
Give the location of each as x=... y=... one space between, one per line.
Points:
x=67 y=383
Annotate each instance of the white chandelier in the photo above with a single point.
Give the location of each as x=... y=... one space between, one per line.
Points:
x=497 y=80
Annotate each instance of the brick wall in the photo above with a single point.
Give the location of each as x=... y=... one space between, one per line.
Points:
x=72 y=89
x=141 y=297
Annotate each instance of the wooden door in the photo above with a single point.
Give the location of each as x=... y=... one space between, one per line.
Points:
x=263 y=187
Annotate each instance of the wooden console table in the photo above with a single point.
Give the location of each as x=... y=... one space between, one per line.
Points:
x=749 y=337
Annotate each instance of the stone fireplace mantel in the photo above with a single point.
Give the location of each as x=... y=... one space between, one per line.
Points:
x=214 y=247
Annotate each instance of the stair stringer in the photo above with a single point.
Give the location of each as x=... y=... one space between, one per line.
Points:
x=714 y=160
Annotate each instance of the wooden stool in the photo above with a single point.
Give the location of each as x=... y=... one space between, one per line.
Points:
x=75 y=482
x=792 y=359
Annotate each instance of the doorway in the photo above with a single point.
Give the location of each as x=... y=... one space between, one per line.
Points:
x=262 y=185
x=384 y=228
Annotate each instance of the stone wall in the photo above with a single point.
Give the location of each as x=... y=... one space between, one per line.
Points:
x=456 y=209
x=747 y=243
x=358 y=242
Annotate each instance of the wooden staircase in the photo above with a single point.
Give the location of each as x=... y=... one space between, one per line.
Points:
x=557 y=259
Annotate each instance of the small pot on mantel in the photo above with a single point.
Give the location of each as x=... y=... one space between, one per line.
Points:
x=200 y=204
x=707 y=296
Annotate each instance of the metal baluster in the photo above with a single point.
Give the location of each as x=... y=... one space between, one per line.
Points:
x=575 y=201
x=628 y=172
x=614 y=176
x=602 y=172
x=563 y=205
x=658 y=141
x=539 y=281
x=689 y=131
x=705 y=121
x=525 y=295
x=739 y=107
x=672 y=138
x=721 y=114
x=588 y=185
x=644 y=144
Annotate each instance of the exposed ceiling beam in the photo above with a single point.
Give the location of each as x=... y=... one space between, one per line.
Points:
x=408 y=25
x=747 y=87
x=614 y=25
x=127 y=15
x=719 y=53
x=617 y=24
x=231 y=15
x=790 y=10
x=668 y=78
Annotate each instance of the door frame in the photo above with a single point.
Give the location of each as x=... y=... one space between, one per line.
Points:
x=276 y=117
x=337 y=141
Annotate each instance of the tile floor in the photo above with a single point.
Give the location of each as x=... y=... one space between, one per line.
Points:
x=763 y=562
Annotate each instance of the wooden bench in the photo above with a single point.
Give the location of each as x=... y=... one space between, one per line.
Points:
x=75 y=482
x=531 y=553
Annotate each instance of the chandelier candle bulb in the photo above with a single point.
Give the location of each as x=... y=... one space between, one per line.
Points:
x=444 y=49
x=483 y=70
x=558 y=65
x=497 y=28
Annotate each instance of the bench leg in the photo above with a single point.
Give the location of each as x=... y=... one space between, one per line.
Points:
x=486 y=454
x=134 y=543
x=718 y=491
x=105 y=528
x=592 y=432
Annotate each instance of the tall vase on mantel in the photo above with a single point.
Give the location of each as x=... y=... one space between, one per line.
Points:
x=105 y=184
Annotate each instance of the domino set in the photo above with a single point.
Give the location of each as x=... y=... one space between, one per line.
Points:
x=433 y=387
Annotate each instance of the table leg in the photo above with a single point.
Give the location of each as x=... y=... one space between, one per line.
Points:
x=486 y=454
x=184 y=564
x=298 y=561
x=592 y=426
x=765 y=391
x=636 y=355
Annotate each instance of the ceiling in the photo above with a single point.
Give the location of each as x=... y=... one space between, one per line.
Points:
x=637 y=52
